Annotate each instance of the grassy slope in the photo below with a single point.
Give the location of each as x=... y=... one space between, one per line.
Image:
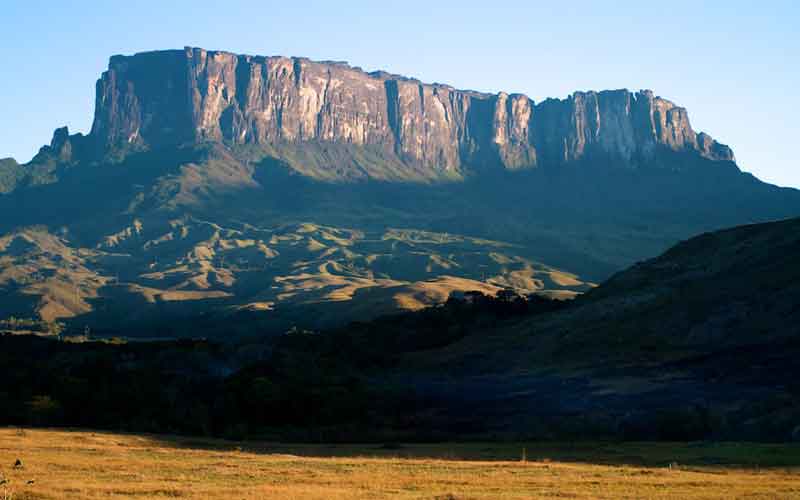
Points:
x=591 y=219
x=101 y=465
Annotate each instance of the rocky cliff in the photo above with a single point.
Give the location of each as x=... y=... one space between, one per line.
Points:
x=178 y=96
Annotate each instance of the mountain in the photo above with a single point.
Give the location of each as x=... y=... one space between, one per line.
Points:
x=168 y=98
x=171 y=97
x=197 y=160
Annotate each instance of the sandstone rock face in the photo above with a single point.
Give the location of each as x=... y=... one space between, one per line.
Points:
x=61 y=145
x=178 y=96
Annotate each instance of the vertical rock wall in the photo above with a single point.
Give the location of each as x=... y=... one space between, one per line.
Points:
x=171 y=97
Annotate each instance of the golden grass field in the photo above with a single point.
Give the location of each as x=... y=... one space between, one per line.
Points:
x=83 y=464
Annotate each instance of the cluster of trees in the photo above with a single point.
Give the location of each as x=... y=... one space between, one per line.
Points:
x=28 y=325
x=300 y=380
x=349 y=384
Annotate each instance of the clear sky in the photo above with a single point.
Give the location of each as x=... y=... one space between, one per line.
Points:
x=734 y=64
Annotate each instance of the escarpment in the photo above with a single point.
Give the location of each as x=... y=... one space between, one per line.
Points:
x=177 y=96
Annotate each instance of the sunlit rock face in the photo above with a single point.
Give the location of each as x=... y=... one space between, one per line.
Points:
x=178 y=96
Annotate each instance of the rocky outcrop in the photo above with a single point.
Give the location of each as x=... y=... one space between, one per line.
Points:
x=178 y=96
x=61 y=145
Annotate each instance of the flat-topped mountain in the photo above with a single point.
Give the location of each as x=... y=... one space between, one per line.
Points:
x=177 y=96
x=189 y=142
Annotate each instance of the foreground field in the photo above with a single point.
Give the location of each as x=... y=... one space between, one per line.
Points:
x=80 y=464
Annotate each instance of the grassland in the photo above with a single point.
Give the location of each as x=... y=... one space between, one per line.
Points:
x=81 y=464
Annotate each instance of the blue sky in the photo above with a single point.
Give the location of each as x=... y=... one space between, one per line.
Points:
x=733 y=64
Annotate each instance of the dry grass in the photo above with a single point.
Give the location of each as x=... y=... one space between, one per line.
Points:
x=82 y=464
x=416 y=296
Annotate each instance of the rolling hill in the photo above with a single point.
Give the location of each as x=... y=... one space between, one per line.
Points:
x=133 y=281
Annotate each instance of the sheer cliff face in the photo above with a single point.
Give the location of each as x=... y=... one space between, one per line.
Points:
x=173 y=97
